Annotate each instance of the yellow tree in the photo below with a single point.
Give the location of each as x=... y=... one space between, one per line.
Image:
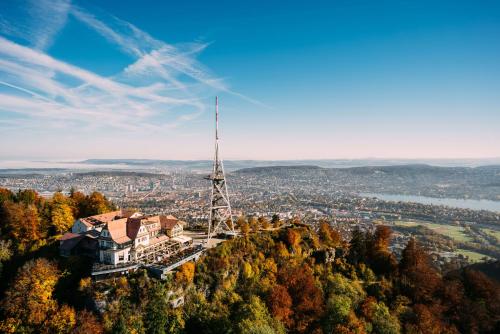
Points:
x=21 y=223
x=62 y=321
x=61 y=213
x=275 y=221
x=97 y=203
x=264 y=223
x=77 y=201
x=254 y=224
x=29 y=298
x=241 y=220
x=245 y=228
x=185 y=273
x=328 y=235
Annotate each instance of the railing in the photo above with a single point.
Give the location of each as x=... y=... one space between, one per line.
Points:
x=170 y=263
x=179 y=259
x=101 y=269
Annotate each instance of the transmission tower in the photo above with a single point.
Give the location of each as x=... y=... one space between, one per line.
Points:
x=220 y=219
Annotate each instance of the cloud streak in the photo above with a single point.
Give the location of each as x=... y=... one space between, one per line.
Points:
x=161 y=89
x=35 y=21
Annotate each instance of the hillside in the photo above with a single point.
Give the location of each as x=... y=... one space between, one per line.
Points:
x=280 y=280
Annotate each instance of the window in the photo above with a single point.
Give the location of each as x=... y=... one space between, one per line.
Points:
x=107 y=257
x=121 y=257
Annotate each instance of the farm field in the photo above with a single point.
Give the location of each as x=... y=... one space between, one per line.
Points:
x=494 y=233
x=455 y=232
x=473 y=256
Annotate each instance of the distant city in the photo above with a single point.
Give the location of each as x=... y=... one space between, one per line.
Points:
x=467 y=229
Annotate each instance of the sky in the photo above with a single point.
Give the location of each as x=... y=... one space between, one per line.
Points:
x=295 y=80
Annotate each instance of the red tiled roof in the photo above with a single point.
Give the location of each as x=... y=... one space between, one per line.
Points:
x=133 y=225
x=168 y=222
x=118 y=230
x=101 y=219
x=69 y=235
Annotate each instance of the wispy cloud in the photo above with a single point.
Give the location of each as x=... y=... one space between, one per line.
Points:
x=164 y=78
x=157 y=58
x=36 y=21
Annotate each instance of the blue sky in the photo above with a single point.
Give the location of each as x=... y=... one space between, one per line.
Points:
x=296 y=80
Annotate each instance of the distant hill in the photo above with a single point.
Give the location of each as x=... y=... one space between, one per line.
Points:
x=410 y=169
x=117 y=173
x=268 y=169
x=413 y=179
x=326 y=163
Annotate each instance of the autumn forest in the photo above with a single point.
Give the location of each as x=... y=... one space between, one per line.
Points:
x=271 y=280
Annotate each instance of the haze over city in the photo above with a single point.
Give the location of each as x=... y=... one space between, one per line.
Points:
x=332 y=79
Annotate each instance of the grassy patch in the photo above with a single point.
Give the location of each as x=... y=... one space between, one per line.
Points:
x=493 y=233
x=452 y=231
x=473 y=256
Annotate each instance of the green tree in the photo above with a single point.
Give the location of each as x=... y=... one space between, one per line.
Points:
x=357 y=247
x=338 y=308
x=254 y=318
x=120 y=326
x=28 y=197
x=384 y=322
x=155 y=316
x=6 y=195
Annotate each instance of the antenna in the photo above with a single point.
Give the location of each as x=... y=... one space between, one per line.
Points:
x=216 y=118
x=220 y=219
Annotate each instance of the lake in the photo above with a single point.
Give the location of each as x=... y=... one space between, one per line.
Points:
x=473 y=204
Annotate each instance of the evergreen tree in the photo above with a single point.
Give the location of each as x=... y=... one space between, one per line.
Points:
x=155 y=315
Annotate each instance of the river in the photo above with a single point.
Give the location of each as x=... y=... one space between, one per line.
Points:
x=473 y=204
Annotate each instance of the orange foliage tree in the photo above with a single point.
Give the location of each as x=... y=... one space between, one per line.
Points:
x=293 y=238
x=418 y=278
x=280 y=304
x=185 y=274
x=87 y=323
x=29 y=300
x=306 y=296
